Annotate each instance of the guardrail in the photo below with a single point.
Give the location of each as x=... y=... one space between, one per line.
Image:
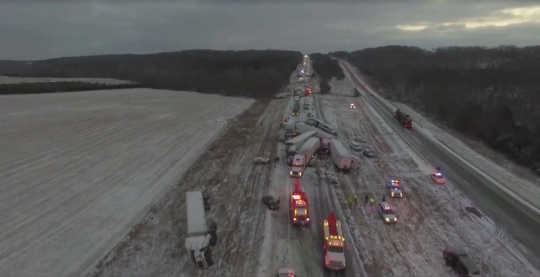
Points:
x=388 y=122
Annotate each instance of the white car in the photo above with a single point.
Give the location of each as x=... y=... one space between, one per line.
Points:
x=261 y=160
x=286 y=272
x=356 y=146
x=387 y=212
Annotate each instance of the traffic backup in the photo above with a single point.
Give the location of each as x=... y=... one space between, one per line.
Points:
x=334 y=244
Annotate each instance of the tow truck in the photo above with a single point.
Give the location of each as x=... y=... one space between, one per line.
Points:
x=438 y=178
x=395 y=188
x=334 y=244
x=387 y=212
x=299 y=205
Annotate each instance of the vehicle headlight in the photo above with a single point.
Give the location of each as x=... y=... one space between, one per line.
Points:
x=290 y=172
x=386 y=219
x=392 y=194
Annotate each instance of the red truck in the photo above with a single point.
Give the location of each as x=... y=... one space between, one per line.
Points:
x=404 y=119
x=299 y=205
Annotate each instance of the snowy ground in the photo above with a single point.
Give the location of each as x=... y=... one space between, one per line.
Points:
x=154 y=247
x=22 y=80
x=430 y=217
x=78 y=169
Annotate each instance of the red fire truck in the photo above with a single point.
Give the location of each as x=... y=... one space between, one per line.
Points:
x=299 y=205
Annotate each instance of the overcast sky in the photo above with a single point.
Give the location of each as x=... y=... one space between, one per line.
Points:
x=47 y=28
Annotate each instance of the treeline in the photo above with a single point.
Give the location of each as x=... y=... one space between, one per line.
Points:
x=326 y=68
x=255 y=74
x=52 y=87
x=491 y=94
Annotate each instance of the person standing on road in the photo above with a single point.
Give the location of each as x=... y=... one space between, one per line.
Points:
x=384 y=197
x=366 y=199
x=355 y=198
x=371 y=201
x=278 y=160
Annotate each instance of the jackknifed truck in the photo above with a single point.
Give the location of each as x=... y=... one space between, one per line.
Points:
x=200 y=239
x=294 y=144
x=303 y=156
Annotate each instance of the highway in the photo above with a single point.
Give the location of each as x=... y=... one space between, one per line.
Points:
x=510 y=214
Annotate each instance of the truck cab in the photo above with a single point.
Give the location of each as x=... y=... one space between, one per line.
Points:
x=298 y=165
x=334 y=244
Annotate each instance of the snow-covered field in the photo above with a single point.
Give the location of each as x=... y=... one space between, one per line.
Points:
x=430 y=217
x=22 y=80
x=79 y=169
x=154 y=247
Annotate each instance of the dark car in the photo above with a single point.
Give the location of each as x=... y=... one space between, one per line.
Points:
x=368 y=153
x=461 y=262
x=271 y=202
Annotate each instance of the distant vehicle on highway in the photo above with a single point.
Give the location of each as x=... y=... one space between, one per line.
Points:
x=438 y=178
x=286 y=272
x=353 y=106
x=356 y=146
x=368 y=153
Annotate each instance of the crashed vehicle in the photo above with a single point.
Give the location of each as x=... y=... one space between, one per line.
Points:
x=387 y=212
x=261 y=160
x=395 y=188
x=368 y=153
x=460 y=262
x=271 y=202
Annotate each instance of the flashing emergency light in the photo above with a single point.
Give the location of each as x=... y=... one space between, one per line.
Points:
x=438 y=174
x=296 y=197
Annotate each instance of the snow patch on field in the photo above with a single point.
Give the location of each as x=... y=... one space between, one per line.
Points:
x=79 y=169
x=23 y=80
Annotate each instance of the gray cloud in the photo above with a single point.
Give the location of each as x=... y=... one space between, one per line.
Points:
x=46 y=29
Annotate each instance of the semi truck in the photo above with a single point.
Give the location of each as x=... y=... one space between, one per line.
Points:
x=295 y=143
x=404 y=119
x=341 y=157
x=302 y=128
x=200 y=239
x=334 y=244
x=303 y=156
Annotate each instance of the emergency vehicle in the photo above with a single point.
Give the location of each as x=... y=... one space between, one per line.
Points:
x=438 y=178
x=353 y=106
x=395 y=188
x=387 y=212
x=299 y=205
x=286 y=272
x=334 y=244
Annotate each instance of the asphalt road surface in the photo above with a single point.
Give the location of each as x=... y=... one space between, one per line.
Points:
x=510 y=214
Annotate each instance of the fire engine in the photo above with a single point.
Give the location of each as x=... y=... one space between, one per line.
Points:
x=299 y=205
x=334 y=244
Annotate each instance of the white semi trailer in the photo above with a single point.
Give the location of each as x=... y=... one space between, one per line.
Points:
x=199 y=238
x=295 y=144
x=341 y=157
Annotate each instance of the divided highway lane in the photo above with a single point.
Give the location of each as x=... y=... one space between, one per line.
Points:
x=520 y=220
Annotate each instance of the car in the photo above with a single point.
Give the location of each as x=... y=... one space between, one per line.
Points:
x=438 y=178
x=285 y=119
x=359 y=139
x=395 y=189
x=271 y=202
x=353 y=106
x=278 y=97
x=460 y=262
x=356 y=146
x=261 y=160
x=286 y=272
x=387 y=212
x=368 y=153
